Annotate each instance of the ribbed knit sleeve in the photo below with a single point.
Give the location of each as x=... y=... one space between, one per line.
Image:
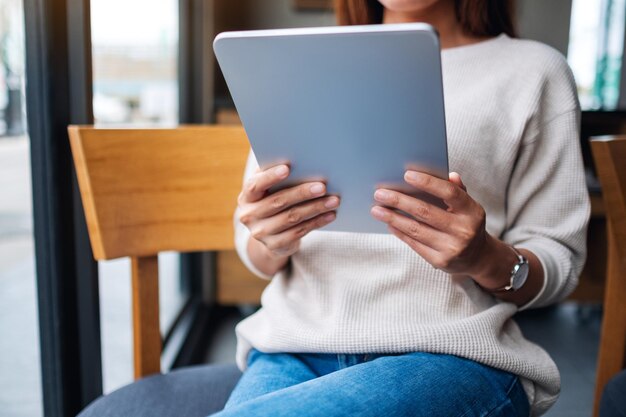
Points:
x=242 y=234
x=548 y=205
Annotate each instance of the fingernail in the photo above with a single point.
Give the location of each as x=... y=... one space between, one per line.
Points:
x=281 y=170
x=329 y=217
x=381 y=195
x=317 y=189
x=332 y=202
x=379 y=213
x=411 y=176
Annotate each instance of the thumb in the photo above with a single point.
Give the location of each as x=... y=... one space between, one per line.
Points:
x=455 y=178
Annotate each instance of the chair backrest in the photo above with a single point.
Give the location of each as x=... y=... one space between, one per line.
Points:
x=610 y=157
x=151 y=190
x=609 y=153
x=145 y=191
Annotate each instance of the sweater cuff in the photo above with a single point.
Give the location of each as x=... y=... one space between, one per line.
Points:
x=542 y=291
x=242 y=235
x=551 y=277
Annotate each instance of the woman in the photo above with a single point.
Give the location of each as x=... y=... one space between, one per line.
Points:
x=418 y=322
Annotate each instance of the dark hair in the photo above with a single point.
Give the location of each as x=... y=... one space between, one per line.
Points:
x=477 y=17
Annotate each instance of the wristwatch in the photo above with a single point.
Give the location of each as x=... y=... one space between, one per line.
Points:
x=519 y=274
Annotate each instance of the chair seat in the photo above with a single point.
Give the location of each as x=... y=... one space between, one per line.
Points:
x=613 y=403
x=187 y=392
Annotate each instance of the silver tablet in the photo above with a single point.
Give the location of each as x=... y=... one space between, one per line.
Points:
x=353 y=106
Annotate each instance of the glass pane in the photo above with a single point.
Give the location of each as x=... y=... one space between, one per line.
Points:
x=135 y=61
x=595 y=51
x=135 y=83
x=20 y=376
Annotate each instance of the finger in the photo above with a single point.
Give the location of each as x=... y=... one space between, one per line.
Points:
x=450 y=193
x=289 y=236
x=284 y=199
x=429 y=254
x=413 y=229
x=455 y=178
x=424 y=212
x=293 y=216
x=257 y=185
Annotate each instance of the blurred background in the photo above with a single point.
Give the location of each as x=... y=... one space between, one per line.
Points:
x=151 y=64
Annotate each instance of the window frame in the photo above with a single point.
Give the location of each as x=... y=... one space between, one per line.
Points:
x=58 y=93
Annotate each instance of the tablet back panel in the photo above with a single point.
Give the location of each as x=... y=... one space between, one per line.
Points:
x=352 y=106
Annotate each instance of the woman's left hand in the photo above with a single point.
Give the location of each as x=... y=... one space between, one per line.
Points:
x=453 y=239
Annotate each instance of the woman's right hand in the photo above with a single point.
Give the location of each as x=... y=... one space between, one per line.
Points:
x=279 y=220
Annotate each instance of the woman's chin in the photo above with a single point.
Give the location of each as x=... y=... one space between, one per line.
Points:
x=407 y=5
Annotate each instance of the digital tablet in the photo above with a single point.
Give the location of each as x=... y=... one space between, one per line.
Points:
x=352 y=106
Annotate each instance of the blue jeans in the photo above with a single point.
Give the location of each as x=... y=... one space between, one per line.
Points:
x=413 y=384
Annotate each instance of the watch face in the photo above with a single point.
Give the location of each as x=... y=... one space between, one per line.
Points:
x=520 y=276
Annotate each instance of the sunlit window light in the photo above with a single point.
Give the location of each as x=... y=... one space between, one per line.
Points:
x=595 y=51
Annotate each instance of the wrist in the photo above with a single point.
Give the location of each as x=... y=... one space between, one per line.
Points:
x=264 y=259
x=495 y=263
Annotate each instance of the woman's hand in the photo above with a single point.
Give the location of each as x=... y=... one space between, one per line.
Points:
x=279 y=220
x=453 y=240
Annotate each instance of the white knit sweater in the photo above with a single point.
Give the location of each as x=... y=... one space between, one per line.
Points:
x=512 y=117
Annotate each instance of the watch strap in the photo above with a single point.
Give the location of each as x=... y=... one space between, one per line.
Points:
x=521 y=261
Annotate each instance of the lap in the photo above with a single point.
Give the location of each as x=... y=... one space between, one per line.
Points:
x=415 y=384
x=268 y=373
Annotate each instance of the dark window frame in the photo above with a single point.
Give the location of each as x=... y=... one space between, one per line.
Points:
x=58 y=91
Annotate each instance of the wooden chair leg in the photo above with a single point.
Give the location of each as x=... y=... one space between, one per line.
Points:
x=613 y=337
x=146 y=334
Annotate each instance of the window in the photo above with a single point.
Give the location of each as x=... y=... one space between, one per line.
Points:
x=135 y=83
x=19 y=345
x=135 y=66
x=595 y=51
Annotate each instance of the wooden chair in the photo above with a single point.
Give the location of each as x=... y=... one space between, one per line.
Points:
x=145 y=191
x=609 y=153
